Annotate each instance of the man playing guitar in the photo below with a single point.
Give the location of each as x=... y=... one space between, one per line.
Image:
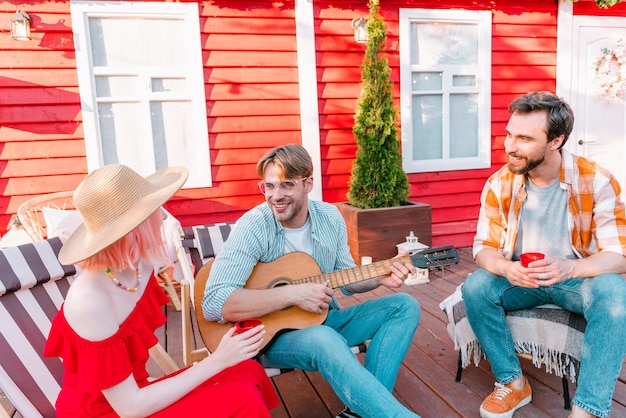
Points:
x=288 y=222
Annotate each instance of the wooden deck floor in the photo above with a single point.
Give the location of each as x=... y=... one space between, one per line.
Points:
x=425 y=382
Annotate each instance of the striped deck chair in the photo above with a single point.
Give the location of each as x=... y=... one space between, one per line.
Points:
x=195 y=246
x=33 y=284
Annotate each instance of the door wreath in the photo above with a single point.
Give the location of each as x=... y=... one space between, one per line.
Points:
x=610 y=72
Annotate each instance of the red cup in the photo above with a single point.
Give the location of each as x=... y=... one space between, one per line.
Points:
x=528 y=258
x=246 y=325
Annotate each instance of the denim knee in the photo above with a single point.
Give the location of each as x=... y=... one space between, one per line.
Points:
x=476 y=284
x=324 y=342
x=609 y=291
x=408 y=306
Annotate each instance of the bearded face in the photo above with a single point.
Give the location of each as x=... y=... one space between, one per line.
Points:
x=526 y=143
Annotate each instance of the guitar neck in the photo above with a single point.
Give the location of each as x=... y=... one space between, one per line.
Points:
x=356 y=274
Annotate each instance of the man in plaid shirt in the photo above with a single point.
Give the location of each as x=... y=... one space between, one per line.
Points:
x=568 y=208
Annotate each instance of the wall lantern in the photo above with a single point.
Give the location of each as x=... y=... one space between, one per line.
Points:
x=359 y=26
x=20 y=26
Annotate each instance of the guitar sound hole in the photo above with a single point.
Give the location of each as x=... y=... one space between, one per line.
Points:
x=279 y=281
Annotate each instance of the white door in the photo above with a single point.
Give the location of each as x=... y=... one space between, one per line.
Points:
x=600 y=124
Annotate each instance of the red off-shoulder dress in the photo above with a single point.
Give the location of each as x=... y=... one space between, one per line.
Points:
x=91 y=366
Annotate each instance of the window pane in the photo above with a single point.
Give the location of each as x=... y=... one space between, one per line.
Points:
x=427 y=127
x=169 y=84
x=460 y=47
x=426 y=81
x=464 y=125
x=120 y=133
x=463 y=80
x=172 y=124
x=116 y=86
x=133 y=42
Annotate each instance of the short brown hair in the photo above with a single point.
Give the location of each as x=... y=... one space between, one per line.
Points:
x=559 y=114
x=293 y=160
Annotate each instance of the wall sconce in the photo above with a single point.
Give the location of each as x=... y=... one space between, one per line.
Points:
x=20 y=26
x=359 y=26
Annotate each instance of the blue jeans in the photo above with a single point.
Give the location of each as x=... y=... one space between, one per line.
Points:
x=601 y=300
x=389 y=322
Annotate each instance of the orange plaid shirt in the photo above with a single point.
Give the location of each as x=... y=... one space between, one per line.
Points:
x=595 y=213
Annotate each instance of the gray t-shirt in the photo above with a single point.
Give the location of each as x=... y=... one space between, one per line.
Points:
x=543 y=222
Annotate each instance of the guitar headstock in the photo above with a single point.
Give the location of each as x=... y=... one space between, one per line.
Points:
x=431 y=258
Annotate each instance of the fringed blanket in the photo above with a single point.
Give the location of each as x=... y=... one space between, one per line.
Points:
x=551 y=335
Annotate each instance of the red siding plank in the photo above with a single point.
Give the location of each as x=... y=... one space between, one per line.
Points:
x=245 y=75
x=244 y=140
x=41 y=167
x=252 y=124
x=42 y=149
x=248 y=59
x=241 y=42
x=252 y=91
x=254 y=108
x=23 y=77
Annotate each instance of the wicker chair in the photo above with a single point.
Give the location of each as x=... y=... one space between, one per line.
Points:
x=31 y=215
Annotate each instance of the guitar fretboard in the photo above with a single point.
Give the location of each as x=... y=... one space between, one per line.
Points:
x=356 y=274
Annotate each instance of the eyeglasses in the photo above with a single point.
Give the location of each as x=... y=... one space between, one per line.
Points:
x=287 y=187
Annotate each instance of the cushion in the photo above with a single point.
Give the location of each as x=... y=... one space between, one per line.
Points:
x=32 y=288
x=60 y=223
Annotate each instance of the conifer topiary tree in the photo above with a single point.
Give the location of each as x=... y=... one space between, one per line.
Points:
x=378 y=179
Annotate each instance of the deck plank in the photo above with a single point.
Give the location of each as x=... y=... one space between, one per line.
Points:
x=299 y=397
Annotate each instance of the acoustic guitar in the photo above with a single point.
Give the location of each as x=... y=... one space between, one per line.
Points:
x=298 y=268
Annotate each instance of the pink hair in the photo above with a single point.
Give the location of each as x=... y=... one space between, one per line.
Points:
x=144 y=242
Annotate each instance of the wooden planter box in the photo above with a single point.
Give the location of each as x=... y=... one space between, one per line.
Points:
x=376 y=232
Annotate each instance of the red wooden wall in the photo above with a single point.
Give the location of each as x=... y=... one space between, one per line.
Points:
x=41 y=138
x=249 y=51
x=524 y=59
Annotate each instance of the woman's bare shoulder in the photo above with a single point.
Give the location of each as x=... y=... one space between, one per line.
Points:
x=88 y=308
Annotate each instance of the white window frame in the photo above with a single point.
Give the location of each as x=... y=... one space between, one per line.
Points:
x=482 y=72
x=81 y=11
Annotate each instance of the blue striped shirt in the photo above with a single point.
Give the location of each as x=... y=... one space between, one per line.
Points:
x=259 y=237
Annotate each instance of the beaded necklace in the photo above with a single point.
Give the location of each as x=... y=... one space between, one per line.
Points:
x=122 y=286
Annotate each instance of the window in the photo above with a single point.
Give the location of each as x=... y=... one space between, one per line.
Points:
x=141 y=85
x=445 y=79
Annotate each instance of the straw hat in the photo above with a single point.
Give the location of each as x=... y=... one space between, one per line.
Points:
x=114 y=200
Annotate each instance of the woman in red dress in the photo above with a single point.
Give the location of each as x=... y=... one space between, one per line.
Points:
x=106 y=325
